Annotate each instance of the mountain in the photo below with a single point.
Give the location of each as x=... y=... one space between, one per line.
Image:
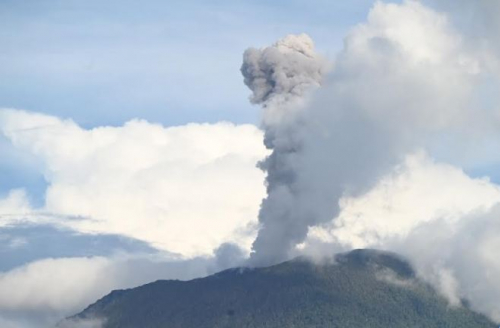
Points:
x=362 y=288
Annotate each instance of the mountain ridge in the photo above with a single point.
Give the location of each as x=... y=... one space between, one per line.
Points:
x=352 y=290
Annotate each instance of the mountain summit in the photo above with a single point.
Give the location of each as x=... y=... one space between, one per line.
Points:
x=362 y=288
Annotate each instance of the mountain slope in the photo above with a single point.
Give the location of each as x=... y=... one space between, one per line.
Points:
x=363 y=288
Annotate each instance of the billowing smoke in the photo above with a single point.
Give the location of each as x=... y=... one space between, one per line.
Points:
x=401 y=77
x=406 y=93
x=281 y=74
x=280 y=77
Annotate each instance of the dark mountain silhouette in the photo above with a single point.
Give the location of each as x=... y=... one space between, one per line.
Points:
x=362 y=288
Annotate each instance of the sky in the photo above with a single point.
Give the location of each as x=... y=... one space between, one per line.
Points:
x=171 y=140
x=170 y=63
x=109 y=63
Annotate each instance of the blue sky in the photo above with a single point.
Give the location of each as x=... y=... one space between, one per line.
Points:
x=171 y=62
x=165 y=61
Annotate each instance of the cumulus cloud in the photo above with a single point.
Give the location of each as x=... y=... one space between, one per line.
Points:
x=443 y=221
x=459 y=258
x=477 y=21
x=191 y=192
x=184 y=189
x=418 y=191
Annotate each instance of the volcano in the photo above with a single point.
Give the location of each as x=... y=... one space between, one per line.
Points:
x=362 y=288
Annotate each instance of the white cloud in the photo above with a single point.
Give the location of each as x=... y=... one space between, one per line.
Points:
x=13 y=207
x=42 y=292
x=184 y=189
x=406 y=67
x=417 y=192
x=54 y=285
x=458 y=258
x=443 y=221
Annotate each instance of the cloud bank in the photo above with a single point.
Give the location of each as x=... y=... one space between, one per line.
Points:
x=445 y=222
x=187 y=189
x=42 y=292
x=187 y=197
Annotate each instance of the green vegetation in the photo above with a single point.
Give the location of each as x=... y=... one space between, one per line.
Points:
x=364 y=288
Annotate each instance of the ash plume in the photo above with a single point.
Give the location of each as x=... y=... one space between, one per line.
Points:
x=280 y=76
x=335 y=135
x=405 y=83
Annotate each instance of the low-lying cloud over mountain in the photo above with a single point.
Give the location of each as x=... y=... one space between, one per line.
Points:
x=391 y=144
